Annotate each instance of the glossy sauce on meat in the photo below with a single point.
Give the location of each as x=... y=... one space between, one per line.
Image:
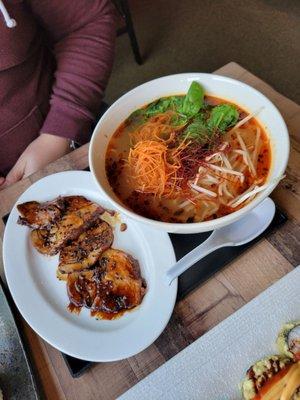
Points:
x=106 y=281
x=83 y=252
x=114 y=286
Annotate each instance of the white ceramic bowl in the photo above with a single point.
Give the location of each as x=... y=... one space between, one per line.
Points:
x=226 y=88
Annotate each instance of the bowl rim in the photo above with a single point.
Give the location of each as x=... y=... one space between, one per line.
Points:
x=202 y=226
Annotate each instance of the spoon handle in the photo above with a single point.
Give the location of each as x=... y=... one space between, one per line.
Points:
x=192 y=257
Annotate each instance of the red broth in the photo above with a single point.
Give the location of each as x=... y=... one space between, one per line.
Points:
x=186 y=205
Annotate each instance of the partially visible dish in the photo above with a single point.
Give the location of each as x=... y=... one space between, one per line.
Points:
x=277 y=377
x=105 y=280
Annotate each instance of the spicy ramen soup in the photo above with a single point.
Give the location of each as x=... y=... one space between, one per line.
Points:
x=188 y=158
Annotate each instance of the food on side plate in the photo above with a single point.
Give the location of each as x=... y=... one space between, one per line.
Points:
x=108 y=281
x=113 y=286
x=83 y=252
x=188 y=158
x=77 y=215
x=40 y=215
x=276 y=377
x=123 y=227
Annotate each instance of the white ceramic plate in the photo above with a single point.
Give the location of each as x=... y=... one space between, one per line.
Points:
x=212 y=367
x=42 y=298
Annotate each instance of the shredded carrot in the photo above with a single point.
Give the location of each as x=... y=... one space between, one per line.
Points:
x=153 y=167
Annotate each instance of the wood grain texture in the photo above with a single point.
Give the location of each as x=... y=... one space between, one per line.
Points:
x=47 y=378
x=202 y=309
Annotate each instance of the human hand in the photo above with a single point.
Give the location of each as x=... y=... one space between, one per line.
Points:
x=39 y=153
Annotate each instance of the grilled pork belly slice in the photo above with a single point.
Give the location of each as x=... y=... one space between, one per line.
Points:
x=82 y=288
x=121 y=282
x=80 y=214
x=83 y=252
x=40 y=241
x=113 y=286
x=72 y=224
x=74 y=203
x=40 y=215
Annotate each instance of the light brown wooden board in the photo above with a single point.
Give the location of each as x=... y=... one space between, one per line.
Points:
x=219 y=297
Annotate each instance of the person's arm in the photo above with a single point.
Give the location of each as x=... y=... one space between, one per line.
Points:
x=83 y=35
x=39 y=153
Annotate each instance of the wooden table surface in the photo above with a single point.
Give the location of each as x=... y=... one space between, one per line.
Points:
x=205 y=307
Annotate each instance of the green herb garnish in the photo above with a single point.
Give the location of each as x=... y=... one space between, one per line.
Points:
x=197 y=130
x=193 y=100
x=222 y=117
x=185 y=106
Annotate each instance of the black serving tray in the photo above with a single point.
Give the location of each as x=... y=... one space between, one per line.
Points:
x=195 y=275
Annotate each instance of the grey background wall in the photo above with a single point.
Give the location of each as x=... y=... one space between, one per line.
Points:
x=202 y=35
